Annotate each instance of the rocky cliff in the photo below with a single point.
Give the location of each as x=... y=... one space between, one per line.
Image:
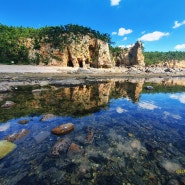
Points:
x=82 y=51
x=130 y=56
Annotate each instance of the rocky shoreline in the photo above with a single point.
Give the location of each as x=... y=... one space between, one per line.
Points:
x=76 y=71
x=16 y=75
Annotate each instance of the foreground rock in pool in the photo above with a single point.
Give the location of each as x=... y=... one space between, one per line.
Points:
x=63 y=129
x=5 y=148
x=73 y=149
x=61 y=146
x=17 y=136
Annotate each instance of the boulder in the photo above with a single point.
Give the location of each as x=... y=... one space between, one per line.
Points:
x=63 y=129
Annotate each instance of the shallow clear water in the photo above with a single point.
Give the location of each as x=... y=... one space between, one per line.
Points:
x=123 y=134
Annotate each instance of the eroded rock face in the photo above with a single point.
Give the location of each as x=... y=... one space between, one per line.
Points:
x=131 y=56
x=82 y=51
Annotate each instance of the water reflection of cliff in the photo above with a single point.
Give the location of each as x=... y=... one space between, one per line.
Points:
x=78 y=100
x=84 y=99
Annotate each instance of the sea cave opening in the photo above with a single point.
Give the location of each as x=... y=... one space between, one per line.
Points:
x=70 y=63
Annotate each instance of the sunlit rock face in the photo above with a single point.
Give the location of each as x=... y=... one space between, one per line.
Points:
x=131 y=56
x=175 y=64
x=81 y=51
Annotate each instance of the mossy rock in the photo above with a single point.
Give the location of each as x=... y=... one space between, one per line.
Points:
x=5 y=148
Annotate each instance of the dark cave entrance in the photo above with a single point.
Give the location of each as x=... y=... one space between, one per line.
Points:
x=80 y=64
x=70 y=63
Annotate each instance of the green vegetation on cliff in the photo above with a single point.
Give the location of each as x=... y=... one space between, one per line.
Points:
x=12 y=46
x=160 y=57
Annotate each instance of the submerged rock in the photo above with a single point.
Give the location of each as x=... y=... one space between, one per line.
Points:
x=63 y=129
x=90 y=136
x=47 y=117
x=136 y=144
x=73 y=149
x=41 y=136
x=61 y=146
x=17 y=136
x=170 y=166
x=173 y=182
x=8 y=104
x=23 y=122
x=5 y=148
x=149 y=87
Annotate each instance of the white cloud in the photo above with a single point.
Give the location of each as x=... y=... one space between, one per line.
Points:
x=156 y=35
x=178 y=24
x=114 y=33
x=179 y=97
x=180 y=47
x=115 y=2
x=4 y=127
x=123 y=31
x=120 y=110
x=147 y=105
x=125 y=38
x=127 y=46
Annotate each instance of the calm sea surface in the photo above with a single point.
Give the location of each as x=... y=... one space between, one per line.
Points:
x=124 y=134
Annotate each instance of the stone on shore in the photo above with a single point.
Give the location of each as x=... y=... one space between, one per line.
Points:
x=63 y=129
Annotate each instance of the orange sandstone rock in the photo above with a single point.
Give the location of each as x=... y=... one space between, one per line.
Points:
x=63 y=129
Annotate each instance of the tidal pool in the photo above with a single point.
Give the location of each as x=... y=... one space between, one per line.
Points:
x=124 y=134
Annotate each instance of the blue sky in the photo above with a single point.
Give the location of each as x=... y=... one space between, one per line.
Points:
x=159 y=24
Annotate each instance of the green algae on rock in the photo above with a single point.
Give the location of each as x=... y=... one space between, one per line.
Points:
x=5 y=148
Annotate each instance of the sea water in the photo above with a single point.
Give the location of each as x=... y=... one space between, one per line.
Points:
x=123 y=134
